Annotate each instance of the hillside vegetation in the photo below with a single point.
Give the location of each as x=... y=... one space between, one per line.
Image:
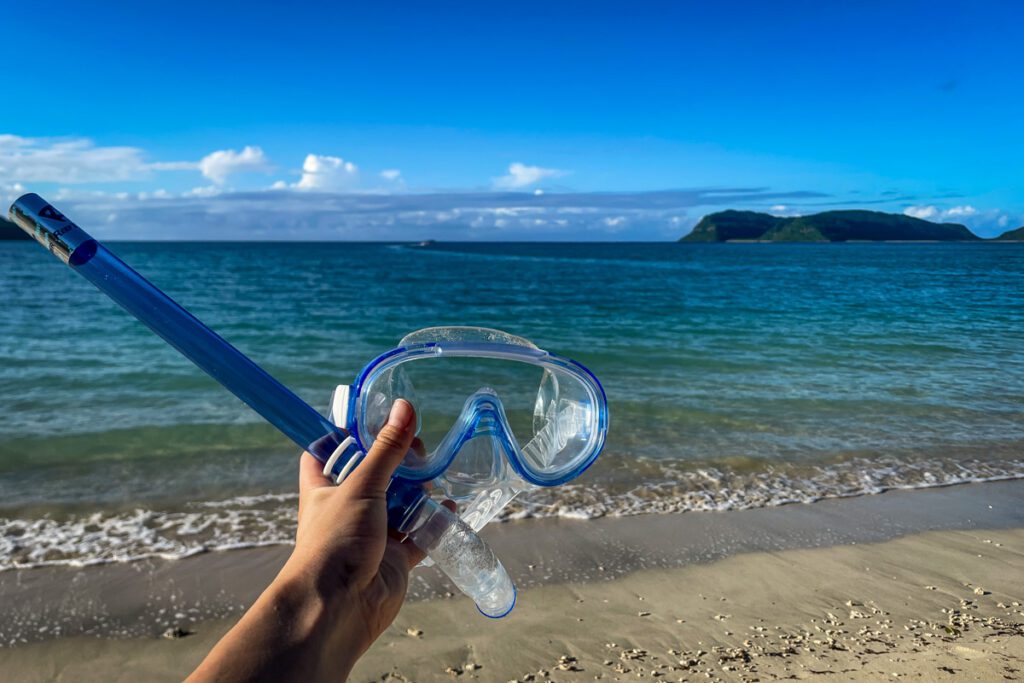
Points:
x=828 y=226
x=10 y=231
x=1013 y=235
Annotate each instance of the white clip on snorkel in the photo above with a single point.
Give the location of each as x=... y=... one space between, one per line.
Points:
x=452 y=544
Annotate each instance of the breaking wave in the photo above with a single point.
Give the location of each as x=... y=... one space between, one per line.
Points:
x=106 y=536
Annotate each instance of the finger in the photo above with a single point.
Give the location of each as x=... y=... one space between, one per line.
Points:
x=409 y=552
x=311 y=474
x=413 y=553
x=372 y=475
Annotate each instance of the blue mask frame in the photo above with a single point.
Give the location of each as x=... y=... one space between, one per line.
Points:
x=486 y=406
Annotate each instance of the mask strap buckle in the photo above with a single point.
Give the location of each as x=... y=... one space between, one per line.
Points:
x=340 y=400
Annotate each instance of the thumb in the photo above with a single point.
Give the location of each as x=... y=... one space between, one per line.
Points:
x=371 y=477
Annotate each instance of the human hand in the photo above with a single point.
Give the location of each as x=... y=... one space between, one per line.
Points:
x=343 y=544
x=343 y=583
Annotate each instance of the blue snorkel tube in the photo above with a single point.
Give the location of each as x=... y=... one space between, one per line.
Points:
x=447 y=540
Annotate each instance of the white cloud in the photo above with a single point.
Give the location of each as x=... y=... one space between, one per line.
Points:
x=521 y=175
x=922 y=212
x=326 y=173
x=391 y=174
x=966 y=210
x=208 y=191
x=217 y=166
x=931 y=212
x=289 y=213
x=67 y=160
x=983 y=222
x=778 y=207
x=74 y=161
x=8 y=193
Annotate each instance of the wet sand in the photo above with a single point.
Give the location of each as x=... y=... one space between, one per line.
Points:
x=917 y=584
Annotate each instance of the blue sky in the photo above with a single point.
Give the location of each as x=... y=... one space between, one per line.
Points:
x=528 y=121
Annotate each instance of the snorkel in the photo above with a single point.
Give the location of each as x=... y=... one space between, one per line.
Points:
x=446 y=539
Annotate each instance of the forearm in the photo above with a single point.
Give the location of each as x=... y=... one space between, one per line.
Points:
x=343 y=584
x=291 y=633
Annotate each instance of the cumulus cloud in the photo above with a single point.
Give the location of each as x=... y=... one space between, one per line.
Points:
x=67 y=160
x=76 y=161
x=327 y=173
x=922 y=212
x=10 y=192
x=520 y=176
x=206 y=191
x=931 y=212
x=983 y=222
x=219 y=165
x=391 y=174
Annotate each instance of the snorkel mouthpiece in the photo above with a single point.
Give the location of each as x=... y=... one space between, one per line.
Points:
x=461 y=555
x=455 y=548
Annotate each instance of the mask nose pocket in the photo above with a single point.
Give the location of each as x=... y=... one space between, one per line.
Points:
x=477 y=460
x=479 y=476
x=480 y=479
x=482 y=455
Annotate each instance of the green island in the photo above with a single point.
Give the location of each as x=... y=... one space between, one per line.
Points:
x=10 y=231
x=1013 y=235
x=830 y=226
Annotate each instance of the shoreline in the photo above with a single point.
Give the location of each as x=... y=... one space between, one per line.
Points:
x=142 y=599
x=935 y=605
x=72 y=537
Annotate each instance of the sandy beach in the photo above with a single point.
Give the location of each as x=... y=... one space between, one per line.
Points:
x=926 y=585
x=707 y=317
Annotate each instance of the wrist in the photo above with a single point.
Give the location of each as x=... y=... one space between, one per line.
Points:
x=290 y=634
x=323 y=622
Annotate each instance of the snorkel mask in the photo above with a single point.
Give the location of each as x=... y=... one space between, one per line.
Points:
x=495 y=415
x=520 y=418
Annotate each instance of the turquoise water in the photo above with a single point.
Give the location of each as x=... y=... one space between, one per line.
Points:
x=737 y=375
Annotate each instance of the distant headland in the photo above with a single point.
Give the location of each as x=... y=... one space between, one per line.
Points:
x=10 y=231
x=1013 y=235
x=830 y=226
x=752 y=226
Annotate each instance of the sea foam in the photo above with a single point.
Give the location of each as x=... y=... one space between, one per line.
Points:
x=264 y=520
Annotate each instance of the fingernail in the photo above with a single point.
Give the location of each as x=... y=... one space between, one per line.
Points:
x=401 y=414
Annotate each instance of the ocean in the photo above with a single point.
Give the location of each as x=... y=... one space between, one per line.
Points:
x=738 y=376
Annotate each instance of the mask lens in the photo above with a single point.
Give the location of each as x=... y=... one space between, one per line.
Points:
x=546 y=413
x=389 y=385
x=564 y=424
x=438 y=387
